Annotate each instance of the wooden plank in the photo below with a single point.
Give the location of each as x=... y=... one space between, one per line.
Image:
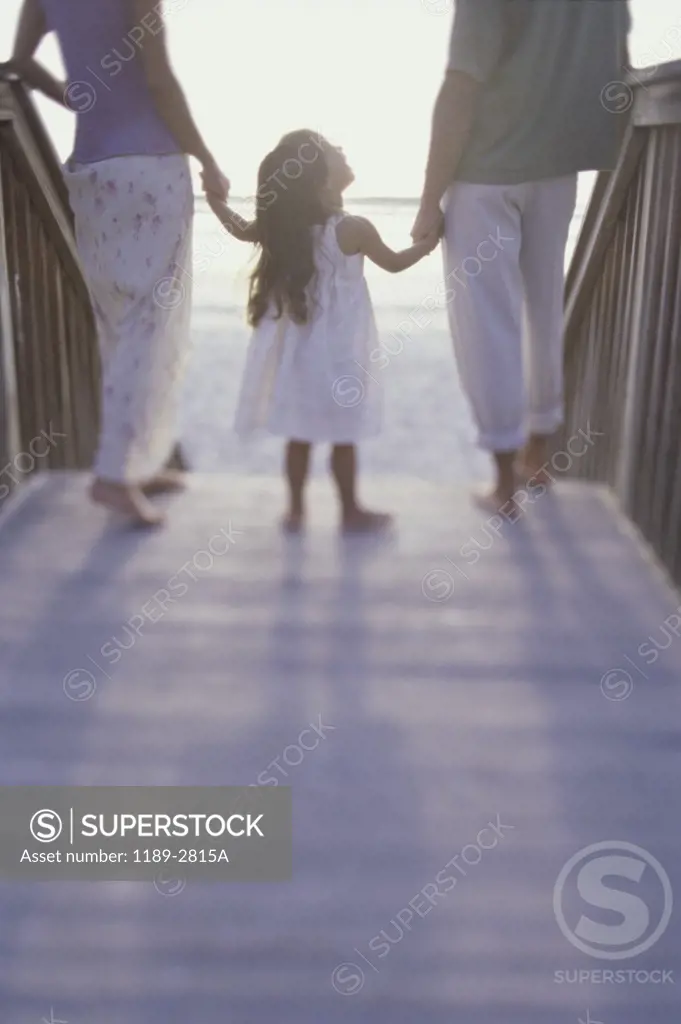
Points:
x=438 y=715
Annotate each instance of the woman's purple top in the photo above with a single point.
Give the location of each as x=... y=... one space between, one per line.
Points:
x=101 y=46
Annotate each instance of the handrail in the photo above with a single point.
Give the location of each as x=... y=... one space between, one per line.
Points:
x=49 y=371
x=623 y=317
x=22 y=101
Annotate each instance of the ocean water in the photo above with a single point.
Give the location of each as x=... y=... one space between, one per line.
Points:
x=428 y=430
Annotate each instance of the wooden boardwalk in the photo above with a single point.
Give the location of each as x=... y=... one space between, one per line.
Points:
x=462 y=715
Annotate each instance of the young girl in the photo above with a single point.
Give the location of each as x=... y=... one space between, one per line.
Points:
x=308 y=369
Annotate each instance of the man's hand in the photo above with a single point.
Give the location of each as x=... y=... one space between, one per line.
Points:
x=429 y=221
x=431 y=241
x=214 y=182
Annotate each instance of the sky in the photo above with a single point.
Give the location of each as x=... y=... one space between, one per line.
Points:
x=363 y=72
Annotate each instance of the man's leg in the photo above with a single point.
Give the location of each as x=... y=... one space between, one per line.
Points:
x=547 y=214
x=484 y=297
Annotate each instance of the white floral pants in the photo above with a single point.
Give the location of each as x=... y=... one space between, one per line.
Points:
x=133 y=230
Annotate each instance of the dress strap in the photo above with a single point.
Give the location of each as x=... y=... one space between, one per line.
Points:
x=335 y=219
x=329 y=232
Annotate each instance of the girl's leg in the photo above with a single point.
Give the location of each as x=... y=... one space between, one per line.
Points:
x=344 y=470
x=297 y=466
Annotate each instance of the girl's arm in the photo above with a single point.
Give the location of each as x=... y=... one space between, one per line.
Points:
x=31 y=30
x=241 y=229
x=358 y=235
x=169 y=97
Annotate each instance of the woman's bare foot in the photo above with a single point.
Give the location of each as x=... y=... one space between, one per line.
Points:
x=361 y=521
x=166 y=482
x=500 y=501
x=293 y=522
x=127 y=501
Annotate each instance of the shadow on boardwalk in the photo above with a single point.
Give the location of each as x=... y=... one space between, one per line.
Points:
x=438 y=711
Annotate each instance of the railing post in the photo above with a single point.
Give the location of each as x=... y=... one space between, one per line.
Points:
x=633 y=405
x=10 y=432
x=49 y=362
x=623 y=323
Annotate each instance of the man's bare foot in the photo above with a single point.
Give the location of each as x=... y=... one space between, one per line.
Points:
x=127 y=501
x=165 y=482
x=361 y=521
x=293 y=522
x=534 y=475
x=532 y=461
x=499 y=502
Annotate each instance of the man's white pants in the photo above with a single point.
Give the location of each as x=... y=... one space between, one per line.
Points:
x=504 y=265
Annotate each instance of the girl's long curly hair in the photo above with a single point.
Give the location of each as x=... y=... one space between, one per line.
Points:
x=291 y=202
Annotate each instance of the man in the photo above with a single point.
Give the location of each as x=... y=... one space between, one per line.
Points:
x=522 y=110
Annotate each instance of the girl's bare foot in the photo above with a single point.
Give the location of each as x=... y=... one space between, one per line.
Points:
x=127 y=501
x=293 y=522
x=361 y=521
x=165 y=482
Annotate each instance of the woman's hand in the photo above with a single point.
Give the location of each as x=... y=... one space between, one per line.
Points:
x=35 y=76
x=214 y=182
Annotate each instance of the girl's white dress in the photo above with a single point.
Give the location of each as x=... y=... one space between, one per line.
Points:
x=317 y=382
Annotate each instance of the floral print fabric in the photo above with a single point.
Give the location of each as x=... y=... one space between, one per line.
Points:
x=133 y=230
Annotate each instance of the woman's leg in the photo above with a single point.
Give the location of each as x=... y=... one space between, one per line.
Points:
x=297 y=467
x=344 y=471
x=127 y=500
x=109 y=487
x=168 y=481
x=133 y=220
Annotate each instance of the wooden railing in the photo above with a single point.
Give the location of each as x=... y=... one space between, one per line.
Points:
x=623 y=330
x=49 y=365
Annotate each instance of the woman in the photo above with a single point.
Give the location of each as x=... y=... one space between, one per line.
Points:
x=131 y=194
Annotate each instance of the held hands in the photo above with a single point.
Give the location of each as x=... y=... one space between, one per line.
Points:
x=215 y=185
x=429 y=243
x=217 y=205
x=429 y=224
